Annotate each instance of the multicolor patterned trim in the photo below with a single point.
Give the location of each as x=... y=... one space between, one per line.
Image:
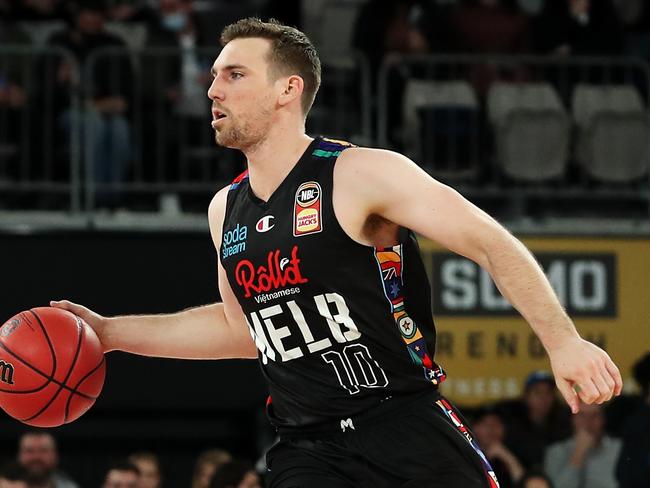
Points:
x=454 y=418
x=389 y=260
x=328 y=148
x=237 y=181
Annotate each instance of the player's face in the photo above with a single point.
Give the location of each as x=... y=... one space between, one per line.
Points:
x=121 y=479
x=243 y=94
x=37 y=453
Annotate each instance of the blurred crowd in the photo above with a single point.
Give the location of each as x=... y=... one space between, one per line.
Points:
x=141 y=67
x=531 y=442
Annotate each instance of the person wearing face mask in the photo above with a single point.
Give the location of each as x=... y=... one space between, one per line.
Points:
x=176 y=74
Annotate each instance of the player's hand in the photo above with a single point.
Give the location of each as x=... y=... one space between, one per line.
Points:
x=584 y=372
x=93 y=319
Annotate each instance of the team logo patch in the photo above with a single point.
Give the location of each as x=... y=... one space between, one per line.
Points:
x=307 y=210
x=265 y=224
x=407 y=327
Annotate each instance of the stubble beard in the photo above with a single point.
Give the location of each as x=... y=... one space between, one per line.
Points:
x=242 y=136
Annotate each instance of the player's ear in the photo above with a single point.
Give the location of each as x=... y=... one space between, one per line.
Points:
x=291 y=89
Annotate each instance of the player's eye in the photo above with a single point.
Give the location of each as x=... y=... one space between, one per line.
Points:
x=235 y=75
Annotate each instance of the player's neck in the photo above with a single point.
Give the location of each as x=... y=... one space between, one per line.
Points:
x=270 y=161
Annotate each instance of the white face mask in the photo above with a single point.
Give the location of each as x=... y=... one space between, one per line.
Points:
x=531 y=7
x=175 y=22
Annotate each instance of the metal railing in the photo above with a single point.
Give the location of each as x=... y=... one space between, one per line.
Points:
x=52 y=146
x=39 y=151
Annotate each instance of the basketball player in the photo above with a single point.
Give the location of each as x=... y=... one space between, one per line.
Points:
x=321 y=279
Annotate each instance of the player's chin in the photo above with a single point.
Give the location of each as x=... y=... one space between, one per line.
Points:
x=225 y=139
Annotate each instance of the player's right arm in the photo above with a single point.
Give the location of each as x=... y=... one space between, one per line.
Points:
x=215 y=331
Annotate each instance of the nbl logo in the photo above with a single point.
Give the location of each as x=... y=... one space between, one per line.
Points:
x=307 y=209
x=308 y=194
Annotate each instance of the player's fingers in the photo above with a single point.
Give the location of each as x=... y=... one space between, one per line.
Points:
x=75 y=308
x=615 y=374
x=604 y=388
x=64 y=304
x=569 y=395
x=587 y=390
x=611 y=385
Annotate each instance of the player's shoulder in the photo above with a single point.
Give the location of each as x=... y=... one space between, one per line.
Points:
x=217 y=207
x=368 y=161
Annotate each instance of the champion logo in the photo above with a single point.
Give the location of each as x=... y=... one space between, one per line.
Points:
x=265 y=224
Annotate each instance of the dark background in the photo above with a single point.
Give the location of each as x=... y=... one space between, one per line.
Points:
x=173 y=407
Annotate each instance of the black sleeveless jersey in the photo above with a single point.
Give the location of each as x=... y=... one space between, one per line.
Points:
x=340 y=327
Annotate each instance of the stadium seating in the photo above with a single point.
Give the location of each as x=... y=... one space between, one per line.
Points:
x=613 y=132
x=531 y=130
x=441 y=126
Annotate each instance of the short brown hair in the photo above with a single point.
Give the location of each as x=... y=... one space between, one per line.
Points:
x=291 y=51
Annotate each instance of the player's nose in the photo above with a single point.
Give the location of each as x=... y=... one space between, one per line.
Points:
x=215 y=91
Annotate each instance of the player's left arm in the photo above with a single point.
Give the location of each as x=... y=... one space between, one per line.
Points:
x=397 y=190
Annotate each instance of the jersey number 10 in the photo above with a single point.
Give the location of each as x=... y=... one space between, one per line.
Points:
x=355 y=368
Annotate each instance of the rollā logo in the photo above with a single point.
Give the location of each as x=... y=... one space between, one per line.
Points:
x=276 y=274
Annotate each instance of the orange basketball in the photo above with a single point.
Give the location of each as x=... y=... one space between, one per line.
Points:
x=52 y=367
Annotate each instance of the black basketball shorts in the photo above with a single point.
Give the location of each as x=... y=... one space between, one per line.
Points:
x=419 y=441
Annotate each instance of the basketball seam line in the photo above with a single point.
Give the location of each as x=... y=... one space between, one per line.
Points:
x=49 y=378
x=80 y=332
x=84 y=378
x=52 y=378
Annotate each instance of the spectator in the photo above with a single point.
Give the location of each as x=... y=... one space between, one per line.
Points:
x=490 y=432
x=575 y=27
x=37 y=453
x=40 y=10
x=236 y=474
x=535 y=479
x=13 y=476
x=383 y=28
x=491 y=27
x=14 y=81
x=535 y=421
x=122 y=474
x=105 y=116
x=633 y=467
x=588 y=458
x=149 y=467
x=176 y=80
x=131 y=11
x=635 y=17
x=207 y=465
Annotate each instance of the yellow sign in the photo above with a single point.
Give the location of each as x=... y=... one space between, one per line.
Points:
x=487 y=349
